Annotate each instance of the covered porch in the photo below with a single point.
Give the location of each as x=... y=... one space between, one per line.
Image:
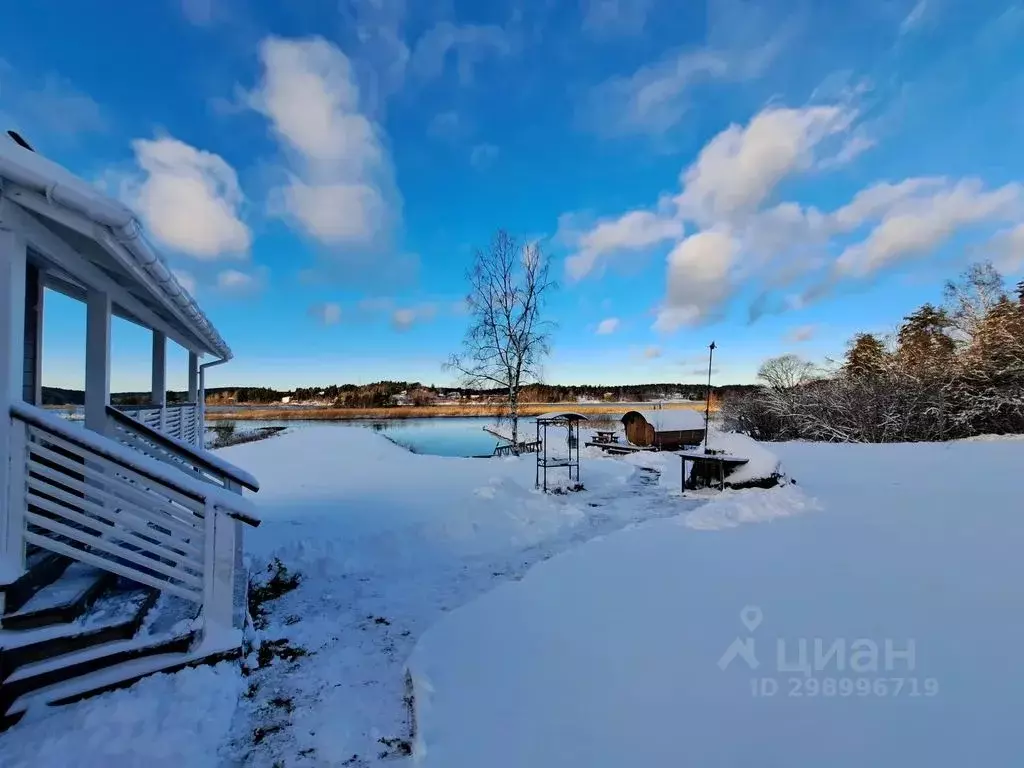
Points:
x=129 y=493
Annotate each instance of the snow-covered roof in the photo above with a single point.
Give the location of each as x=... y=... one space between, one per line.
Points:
x=117 y=231
x=567 y=415
x=672 y=419
x=761 y=463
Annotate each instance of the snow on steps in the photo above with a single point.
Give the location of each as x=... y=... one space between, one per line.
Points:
x=111 y=678
x=42 y=568
x=83 y=631
x=61 y=601
x=60 y=669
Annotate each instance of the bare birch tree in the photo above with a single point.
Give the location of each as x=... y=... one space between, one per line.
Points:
x=507 y=338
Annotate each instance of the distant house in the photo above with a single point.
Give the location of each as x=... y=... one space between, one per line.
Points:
x=401 y=398
x=286 y=400
x=667 y=429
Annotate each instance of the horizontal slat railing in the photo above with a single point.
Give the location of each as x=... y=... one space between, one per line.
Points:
x=81 y=509
x=178 y=453
x=89 y=498
x=177 y=421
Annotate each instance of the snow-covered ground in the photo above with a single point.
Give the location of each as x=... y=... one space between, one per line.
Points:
x=387 y=543
x=607 y=653
x=782 y=644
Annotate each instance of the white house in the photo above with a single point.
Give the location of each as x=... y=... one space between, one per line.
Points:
x=105 y=523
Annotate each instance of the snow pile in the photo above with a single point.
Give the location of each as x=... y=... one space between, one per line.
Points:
x=730 y=508
x=761 y=463
x=164 y=721
x=659 y=645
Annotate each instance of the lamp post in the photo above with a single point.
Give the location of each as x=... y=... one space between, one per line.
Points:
x=707 y=404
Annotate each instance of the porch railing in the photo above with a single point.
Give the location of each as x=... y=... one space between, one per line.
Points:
x=85 y=496
x=180 y=420
x=181 y=455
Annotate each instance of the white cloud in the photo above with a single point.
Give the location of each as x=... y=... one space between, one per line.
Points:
x=328 y=313
x=801 y=333
x=740 y=167
x=337 y=213
x=918 y=226
x=189 y=199
x=340 y=190
x=448 y=125
x=1006 y=250
x=611 y=18
x=483 y=156
x=377 y=46
x=655 y=98
x=913 y=19
x=186 y=280
x=787 y=253
x=876 y=200
x=855 y=146
x=632 y=231
x=698 y=279
x=608 y=325
x=470 y=43
x=237 y=283
x=405 y=317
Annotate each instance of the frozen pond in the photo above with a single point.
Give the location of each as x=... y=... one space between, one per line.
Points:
x=434 y=436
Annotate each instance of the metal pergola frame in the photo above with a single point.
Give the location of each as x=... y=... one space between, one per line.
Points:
x=571 y=422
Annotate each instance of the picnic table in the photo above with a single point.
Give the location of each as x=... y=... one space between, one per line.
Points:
x=708 y=466
x=605 y=436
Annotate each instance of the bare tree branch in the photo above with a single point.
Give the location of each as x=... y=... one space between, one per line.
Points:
x=507 y=337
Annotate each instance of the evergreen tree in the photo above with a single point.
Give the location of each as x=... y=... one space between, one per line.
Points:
x=866 y=357
x=923 y=344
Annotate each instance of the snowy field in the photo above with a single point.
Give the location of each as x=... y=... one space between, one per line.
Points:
x=587 y=629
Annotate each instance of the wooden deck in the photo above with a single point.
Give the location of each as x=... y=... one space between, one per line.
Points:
x=618 y=448
x=533 y=446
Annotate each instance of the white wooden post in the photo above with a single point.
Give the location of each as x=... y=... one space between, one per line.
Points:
x=13 y=260
x=37 y=379
x=202 y=407
x=193 y=396
x=158 y=393
x=218 y=581
x=97 y=360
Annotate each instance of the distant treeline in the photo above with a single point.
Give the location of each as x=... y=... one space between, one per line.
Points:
x=59 y=396
x=381 y=394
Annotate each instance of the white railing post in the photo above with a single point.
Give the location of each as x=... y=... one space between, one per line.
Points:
x=193 y=397
x=12 y=522
x=158 y=392
x=13 y=266
x=219 y=575
x=97 y=360
x=201 y=401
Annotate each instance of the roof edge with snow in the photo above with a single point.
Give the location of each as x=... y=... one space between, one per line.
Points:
x=671 y=419
x=118 y=230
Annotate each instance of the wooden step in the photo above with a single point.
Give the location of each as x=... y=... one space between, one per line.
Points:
x=111 y=678
x=67 y=667
x=116 y=615
x=42 y=569
x=62 y=601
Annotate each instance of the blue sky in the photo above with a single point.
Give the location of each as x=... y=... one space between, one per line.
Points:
x=774 y=175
